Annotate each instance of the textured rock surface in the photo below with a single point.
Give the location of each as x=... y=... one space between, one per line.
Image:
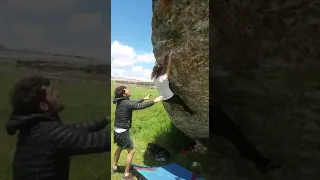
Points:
x=266 y=75
x=186 y=29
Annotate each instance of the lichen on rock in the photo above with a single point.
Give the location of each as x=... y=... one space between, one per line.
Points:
x=185 y=28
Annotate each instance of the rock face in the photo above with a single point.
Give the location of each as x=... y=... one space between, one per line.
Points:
x=186 y=29
x=265 y=73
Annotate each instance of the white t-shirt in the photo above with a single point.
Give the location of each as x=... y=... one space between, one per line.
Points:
x=162 y=85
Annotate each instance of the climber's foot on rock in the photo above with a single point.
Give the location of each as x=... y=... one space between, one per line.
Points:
x=264 y=169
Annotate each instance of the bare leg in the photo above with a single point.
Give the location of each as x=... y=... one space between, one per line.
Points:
x=116 y=157
x=129 y=161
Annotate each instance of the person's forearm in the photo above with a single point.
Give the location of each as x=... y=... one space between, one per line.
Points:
x=139 y=100
x=93 y=125
x=169 y=62
x=136 y=106
x=100 y=145
x=76 y=140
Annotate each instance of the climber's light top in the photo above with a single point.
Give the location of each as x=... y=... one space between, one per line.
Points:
x=162 y=85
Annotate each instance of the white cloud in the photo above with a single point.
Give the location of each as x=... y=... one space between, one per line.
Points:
x=137 y=68
x=147 y=58
x=126 y=62
x=118 y=72
x=136 y=72
x=124 y=55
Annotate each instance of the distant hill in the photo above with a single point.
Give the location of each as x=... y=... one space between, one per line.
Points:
x=132 y=82
x=39 y=54
x=52 y=61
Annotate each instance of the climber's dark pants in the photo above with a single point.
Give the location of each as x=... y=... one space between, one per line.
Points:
x=222 y=125
x=177 y=100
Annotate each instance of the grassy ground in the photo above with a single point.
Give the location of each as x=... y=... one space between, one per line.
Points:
x=153 y=125
x=86 y=101
x=83 y=102
x=221 y=162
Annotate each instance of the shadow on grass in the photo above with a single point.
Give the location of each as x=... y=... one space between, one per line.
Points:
x=175 y=141
x=219 y=160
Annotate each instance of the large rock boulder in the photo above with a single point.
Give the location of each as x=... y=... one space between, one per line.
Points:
x=265 y=68
x=185 y=28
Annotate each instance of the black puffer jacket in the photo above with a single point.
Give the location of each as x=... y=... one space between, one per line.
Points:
x=124 y=108
x=45 y=145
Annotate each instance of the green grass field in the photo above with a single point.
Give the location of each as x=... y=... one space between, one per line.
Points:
x=153 y=125
x=83 y=102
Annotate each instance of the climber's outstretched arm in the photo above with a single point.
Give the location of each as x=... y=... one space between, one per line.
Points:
x=168 y=65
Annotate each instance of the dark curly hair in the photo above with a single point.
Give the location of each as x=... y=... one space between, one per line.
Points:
x=157 y=71
x=27 y=94
x=119 y=91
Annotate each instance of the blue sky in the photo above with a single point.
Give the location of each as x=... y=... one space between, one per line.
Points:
x=131 y=47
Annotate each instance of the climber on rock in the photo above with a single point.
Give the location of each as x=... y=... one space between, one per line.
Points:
x=160 y=78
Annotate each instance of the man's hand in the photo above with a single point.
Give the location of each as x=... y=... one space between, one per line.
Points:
x=158 y=99
x=147 y=97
